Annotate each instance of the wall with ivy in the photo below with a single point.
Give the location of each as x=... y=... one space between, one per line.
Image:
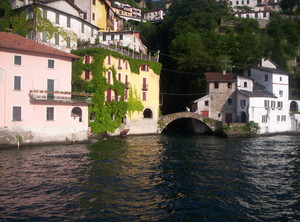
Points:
x=107 y=115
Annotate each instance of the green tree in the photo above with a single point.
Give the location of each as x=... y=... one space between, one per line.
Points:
x=5 y=14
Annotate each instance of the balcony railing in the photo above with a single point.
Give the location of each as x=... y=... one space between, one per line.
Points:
x=59 y=96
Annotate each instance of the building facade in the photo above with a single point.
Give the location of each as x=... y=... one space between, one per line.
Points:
x=36 y=100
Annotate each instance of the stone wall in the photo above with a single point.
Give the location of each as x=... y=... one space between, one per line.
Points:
x=219 y=100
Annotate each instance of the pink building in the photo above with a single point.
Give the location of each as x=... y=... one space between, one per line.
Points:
x=35 y=94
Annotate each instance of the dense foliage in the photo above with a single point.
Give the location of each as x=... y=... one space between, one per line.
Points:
x=107 y=115
x=203 y=35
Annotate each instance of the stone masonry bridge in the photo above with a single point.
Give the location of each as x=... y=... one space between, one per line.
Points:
x=214 y=125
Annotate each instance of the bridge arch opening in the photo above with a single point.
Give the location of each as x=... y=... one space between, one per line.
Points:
x=187 y=126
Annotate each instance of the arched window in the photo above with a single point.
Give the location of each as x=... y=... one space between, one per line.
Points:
x=294 y=106
x=77 y=112
x=245 y=84
x=147 y=113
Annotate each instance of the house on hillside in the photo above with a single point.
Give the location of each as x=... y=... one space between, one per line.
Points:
x=126 y=39
x=135 y=84
x=154 y=15
x=64 y=14
x=220 y=102
x=35 y=94
x=260 y=95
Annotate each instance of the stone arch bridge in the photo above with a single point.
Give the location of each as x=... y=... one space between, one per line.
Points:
x=214 y=125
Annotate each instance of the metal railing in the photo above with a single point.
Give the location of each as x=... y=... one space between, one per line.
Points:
x=121 y=50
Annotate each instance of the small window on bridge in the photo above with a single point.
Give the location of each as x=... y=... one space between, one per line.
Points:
x=147 y=113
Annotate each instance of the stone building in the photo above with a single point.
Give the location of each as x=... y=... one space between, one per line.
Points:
x=220 y=101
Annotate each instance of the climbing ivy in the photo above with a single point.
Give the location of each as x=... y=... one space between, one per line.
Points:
x=107 y=115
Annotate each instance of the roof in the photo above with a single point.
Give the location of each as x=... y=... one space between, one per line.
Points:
x=258 y=91
x=220 y=77
x=270 y=70
x=70 y=2
x=13 y=41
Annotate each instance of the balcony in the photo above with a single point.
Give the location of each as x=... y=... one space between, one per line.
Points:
x=145 y=87
x=59 y=96
x=127 y=85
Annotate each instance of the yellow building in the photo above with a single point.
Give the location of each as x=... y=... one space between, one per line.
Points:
x=129 y=82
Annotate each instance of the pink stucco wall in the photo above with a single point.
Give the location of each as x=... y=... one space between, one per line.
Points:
x=34 y=74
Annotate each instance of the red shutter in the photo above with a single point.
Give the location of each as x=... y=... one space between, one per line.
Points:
x=119 y=77
x=108 y=60
x=87 y=75
x=144 y=96
x=108 y=98
x=87 y=59
x=126 y=94
x=116 y=95
x=108 y=77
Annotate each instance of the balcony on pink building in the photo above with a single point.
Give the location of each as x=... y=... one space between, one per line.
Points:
x=59 y=96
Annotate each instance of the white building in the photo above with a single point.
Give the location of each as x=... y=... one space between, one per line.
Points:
x=263 y=97
x=154 y=15
x=130 y=39
x=63 y=14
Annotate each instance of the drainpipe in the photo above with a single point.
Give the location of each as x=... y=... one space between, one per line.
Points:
x=4 y=110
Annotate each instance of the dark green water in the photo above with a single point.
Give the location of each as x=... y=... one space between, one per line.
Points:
x=154 y=178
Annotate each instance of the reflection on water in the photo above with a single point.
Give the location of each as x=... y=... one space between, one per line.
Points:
x=154 y=178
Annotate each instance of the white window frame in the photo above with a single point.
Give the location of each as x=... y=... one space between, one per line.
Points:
x=283 y=118
x=280 y=93
x=12 y=114
x=20 y=83
x=48 y=63
x=14 y=60
x=46 y=116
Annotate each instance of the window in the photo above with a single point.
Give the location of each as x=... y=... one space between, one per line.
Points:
x=85 y=15
x=119 y=64
x=144 y=67
x=229 y=101
x=93 y=16
x=87 y=75
x=18 y=60
x=17 y=82
x=112 y=37
x=44 y=36
x=50 y=64
x=56 y=39
x=82 y=27
x=264 y=119
x=243 y=103
x=87 y=59
x=283 y=118
x=206 y=102
x=119 y=77
x=57 y=18
x=92 y=32
x=279 y=105
x=278 y=117
x=68 y=42
x=145 y=85
x=245 y=84
x=267 y=103
x=237 y=2
x=77 y=112
x=50 y=113
x=266 y=78
x=104 y=37
x=144 y=96
x=108 y=77
x=94 y=2
x=108 y=60
x=229 y=85
x=45 y=13
x=272 y=104
x=216 y=85
x=126 y=94
x=121 y=36
x=126 y=64
x=68 y=22
x=17 y=111
x=280 y=79
x=280 y=93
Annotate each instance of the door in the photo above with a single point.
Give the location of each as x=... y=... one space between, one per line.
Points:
x=204 y=113
x=50 y=87
x=228 y=118
x=243 y=117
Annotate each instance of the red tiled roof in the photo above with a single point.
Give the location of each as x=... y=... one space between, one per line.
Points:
x=13 y=41
x=217 y=76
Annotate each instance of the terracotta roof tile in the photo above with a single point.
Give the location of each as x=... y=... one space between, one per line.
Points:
x=217 y=76
x=13 y=41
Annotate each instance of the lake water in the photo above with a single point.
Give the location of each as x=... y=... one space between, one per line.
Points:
x=154 y=178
